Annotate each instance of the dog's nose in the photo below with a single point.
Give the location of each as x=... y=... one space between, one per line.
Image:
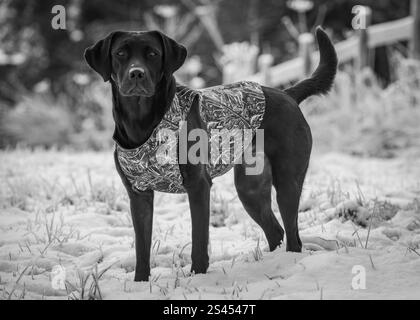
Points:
x=134 y=73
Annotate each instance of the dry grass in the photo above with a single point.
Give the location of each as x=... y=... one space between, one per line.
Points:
x=70 y=209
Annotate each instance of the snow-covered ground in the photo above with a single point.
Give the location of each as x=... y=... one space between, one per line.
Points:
x=64 y=211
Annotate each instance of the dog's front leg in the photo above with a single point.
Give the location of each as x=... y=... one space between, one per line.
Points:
x=141 y=205
x=198 y=189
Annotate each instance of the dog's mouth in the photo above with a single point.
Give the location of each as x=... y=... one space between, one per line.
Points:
x=137 y=90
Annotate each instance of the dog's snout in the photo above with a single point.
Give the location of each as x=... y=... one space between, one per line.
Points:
x=136 y=72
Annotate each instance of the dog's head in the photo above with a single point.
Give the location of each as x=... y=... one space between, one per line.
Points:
x=136 y=61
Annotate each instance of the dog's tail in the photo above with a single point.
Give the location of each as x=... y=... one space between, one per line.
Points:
x=322 y=79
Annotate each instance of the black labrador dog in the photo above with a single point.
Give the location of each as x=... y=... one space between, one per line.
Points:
x=140 y=67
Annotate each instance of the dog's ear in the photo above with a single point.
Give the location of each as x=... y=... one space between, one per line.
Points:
x=174 y=54
x=98 y=56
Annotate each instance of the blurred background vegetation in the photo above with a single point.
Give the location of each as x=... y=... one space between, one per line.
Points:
x=49 y=97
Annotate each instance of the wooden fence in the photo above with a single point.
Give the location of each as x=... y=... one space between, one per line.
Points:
x=357 y=48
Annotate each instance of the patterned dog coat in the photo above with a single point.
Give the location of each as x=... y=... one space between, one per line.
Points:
x=239 y=105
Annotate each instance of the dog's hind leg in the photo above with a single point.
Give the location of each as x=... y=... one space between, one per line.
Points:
x=288 y=188
x=287 y=145
x=254 y=191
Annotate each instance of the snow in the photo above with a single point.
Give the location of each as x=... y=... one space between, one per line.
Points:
x=70 y=209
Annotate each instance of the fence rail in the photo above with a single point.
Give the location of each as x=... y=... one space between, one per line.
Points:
x=350 y=49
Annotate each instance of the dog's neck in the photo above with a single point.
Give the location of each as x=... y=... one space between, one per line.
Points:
x=136 y=117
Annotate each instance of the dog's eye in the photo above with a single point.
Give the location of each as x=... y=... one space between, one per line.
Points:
x=120 y=53
x=152 y=54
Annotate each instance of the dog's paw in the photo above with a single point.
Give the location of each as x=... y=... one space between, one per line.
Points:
x=141 y=276
x=199 y=268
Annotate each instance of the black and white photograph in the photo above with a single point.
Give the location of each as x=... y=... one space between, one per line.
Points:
x=226 y=151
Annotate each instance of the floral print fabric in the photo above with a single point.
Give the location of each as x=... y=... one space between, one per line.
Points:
x=235 y=106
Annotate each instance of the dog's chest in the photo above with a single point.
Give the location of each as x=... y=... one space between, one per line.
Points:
x=228 y=109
